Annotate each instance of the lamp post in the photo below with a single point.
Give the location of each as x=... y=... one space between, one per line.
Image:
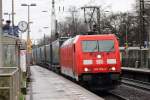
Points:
x=28 y=33
x=0 y=16
x=45 y=27
x=9 y=14
x=1 y=46
x=45 y=44
x=13 y=13
x=28 y=40
x=143 y=36
x=126 y=36
x=28 y=5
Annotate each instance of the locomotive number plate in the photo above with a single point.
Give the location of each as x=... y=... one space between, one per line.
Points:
x=98 y=69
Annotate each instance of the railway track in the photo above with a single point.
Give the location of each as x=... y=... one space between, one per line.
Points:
x=136 y=83
x=129 y=90
x=116 y=96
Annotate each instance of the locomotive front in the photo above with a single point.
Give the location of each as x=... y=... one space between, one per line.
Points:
x=99 y=59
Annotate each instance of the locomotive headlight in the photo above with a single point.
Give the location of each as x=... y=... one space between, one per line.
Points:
x=113 y=68
x=86 y=69
x=99 y=56
x=111 y=61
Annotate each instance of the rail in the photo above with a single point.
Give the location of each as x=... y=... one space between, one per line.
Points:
x=118 y=96
x=136 y=83
x=9 y=84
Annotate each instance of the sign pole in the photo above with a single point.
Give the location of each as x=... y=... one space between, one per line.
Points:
x=1 y=45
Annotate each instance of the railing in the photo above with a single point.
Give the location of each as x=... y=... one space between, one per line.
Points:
x=9 y=83
x=135 y=57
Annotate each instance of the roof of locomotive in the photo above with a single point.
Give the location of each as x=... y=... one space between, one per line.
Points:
x=99 y=35
x=94 y=37
x=88 y=37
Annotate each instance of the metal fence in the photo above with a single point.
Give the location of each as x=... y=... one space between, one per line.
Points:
x=135 y=57
x=9 y=83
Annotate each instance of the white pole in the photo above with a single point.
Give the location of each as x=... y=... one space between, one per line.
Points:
x=1 y=45
x=13 y=13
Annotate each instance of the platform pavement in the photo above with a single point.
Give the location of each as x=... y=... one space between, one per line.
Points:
x=46 y=85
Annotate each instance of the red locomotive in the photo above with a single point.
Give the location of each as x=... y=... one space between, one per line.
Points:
x=92 y=58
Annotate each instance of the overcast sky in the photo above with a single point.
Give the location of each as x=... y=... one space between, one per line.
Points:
x=42 y=19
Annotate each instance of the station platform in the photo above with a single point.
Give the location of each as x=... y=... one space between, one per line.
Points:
x=46 y=85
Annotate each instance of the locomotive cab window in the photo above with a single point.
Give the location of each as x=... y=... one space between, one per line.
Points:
x=100 y=45
x=106 y=45
x=89 y=46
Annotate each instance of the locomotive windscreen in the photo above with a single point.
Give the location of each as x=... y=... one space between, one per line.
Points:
x=100 y=45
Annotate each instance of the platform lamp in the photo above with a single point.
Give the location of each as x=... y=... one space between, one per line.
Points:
x=1 y=33
x=28 y=40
